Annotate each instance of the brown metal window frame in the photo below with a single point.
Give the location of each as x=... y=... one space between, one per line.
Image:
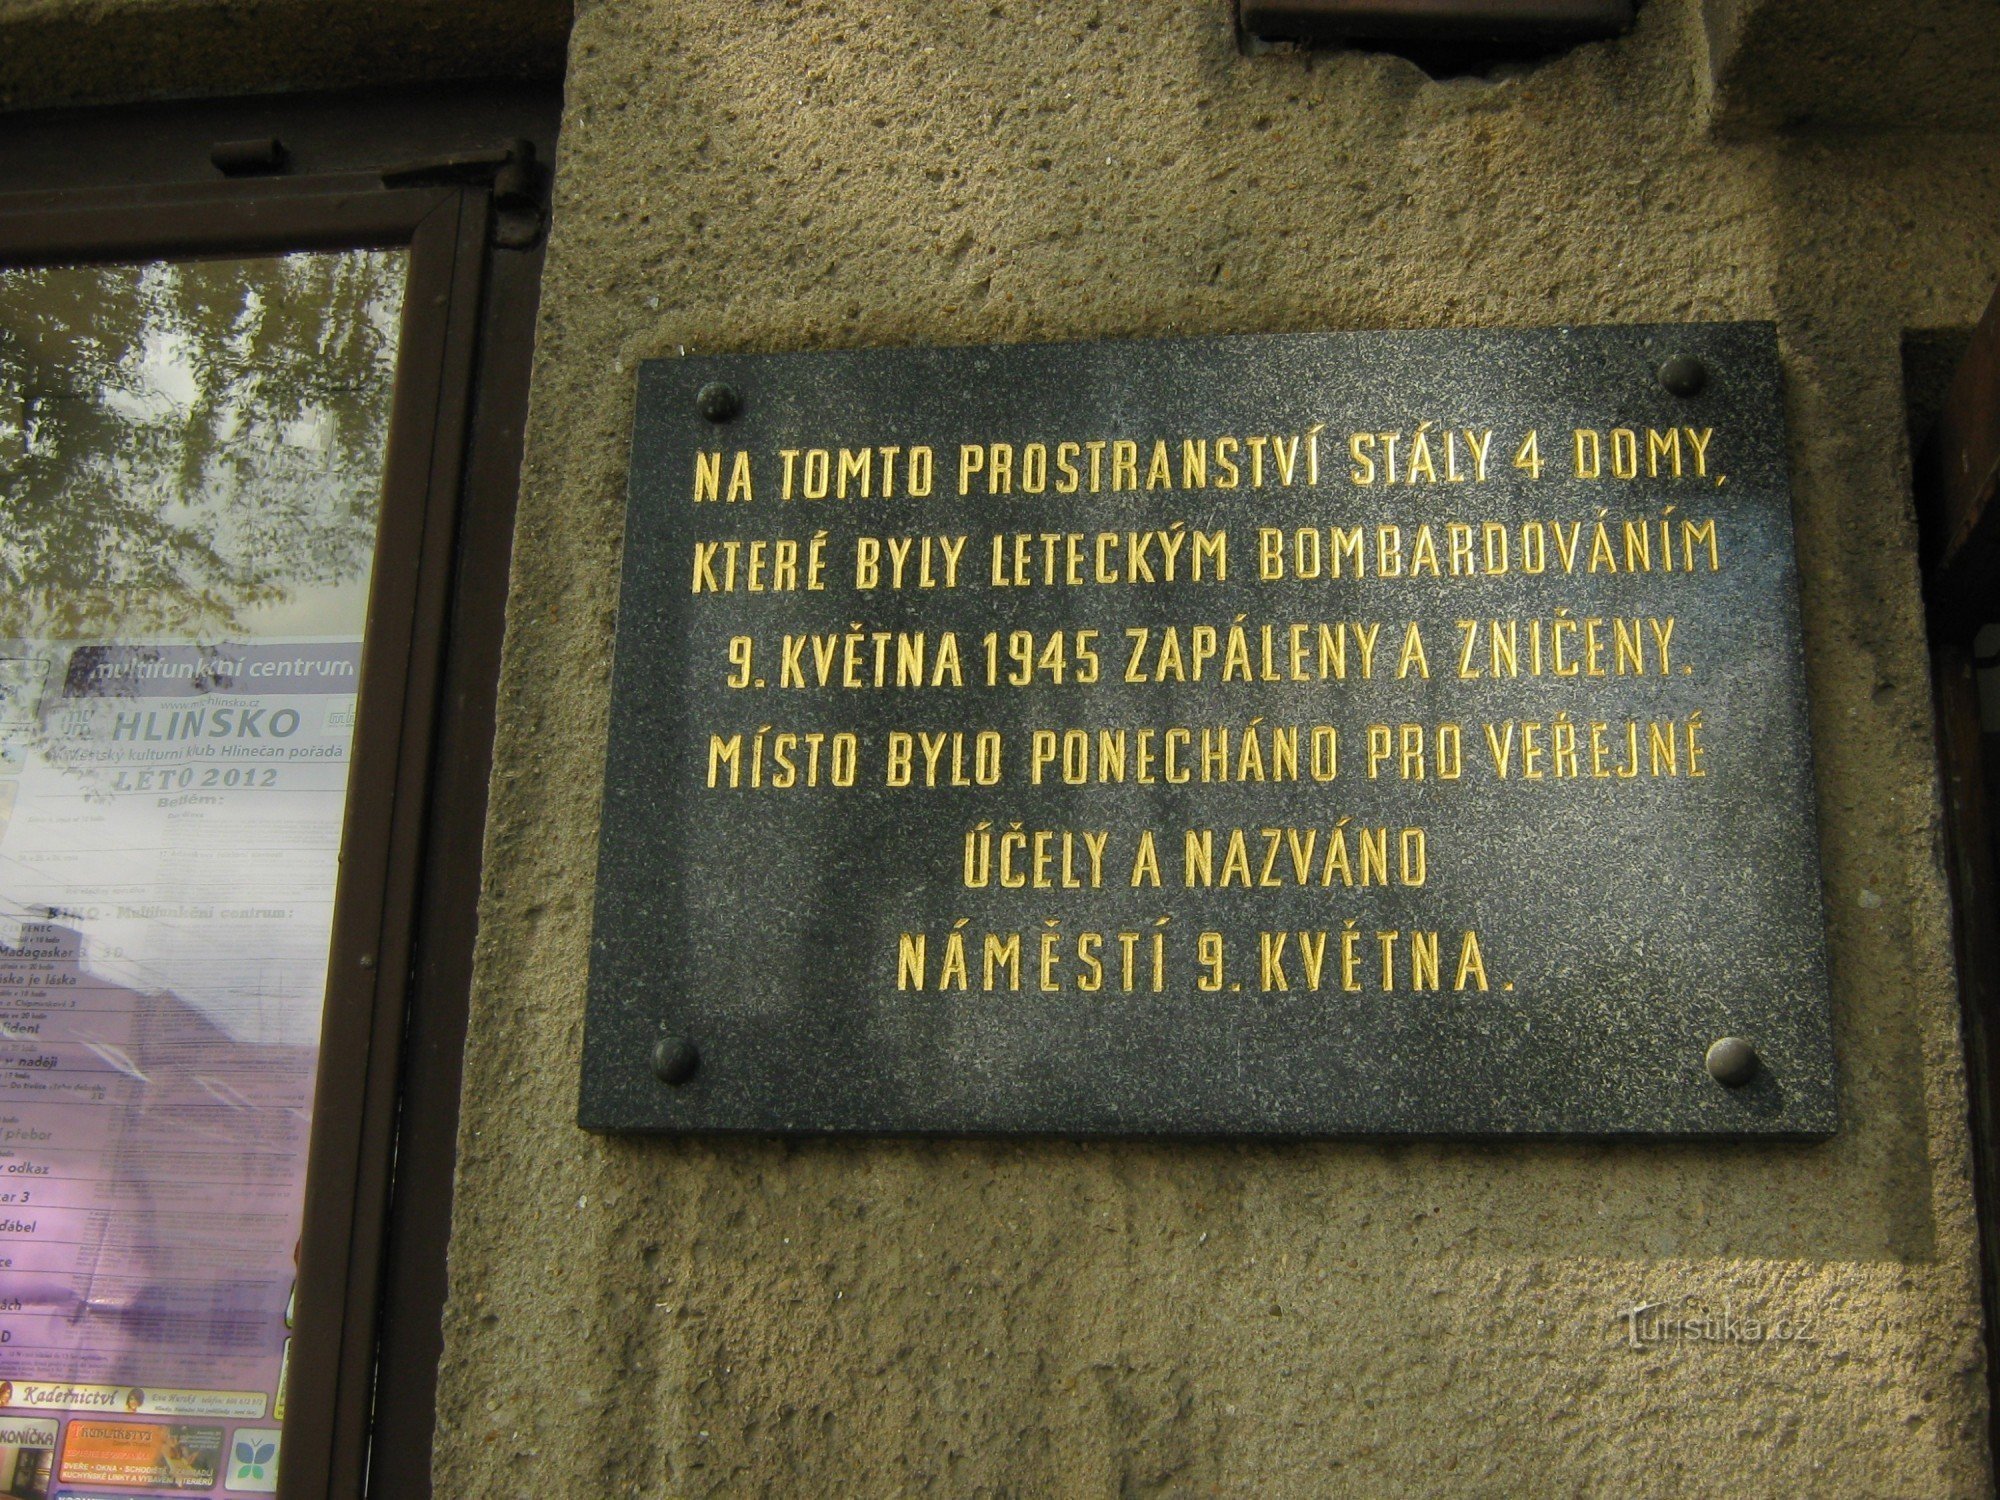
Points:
x=360 y=1401
x=1957 y=490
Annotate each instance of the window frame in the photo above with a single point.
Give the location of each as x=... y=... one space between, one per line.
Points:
x=360 y=1398
x=1955 y=474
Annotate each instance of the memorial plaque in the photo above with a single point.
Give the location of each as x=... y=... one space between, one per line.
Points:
x=1296 y=735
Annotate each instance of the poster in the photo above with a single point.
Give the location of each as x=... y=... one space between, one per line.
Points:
x=170 y=821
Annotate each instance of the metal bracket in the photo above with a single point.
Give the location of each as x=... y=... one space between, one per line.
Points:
x=516 y=178
x=254 y=158
x=1506 y=24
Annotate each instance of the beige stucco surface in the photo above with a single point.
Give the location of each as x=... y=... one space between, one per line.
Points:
x=69 y=52
x=637 y=1317
x=661 y=1317
x=1860 y=64
x=991 y=1319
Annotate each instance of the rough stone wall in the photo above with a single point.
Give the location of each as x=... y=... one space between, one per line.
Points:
x=658 y=1317
x=677 y=1319
x=653 y=1318
x=65 y=52
x=1787 y=64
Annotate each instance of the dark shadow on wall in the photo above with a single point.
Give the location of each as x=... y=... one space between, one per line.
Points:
x=103 y=54
x=1798 y=65
x=1866 y=234
x=1930 y=355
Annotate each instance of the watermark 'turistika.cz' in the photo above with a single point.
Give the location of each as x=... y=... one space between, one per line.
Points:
x=1677 y=1322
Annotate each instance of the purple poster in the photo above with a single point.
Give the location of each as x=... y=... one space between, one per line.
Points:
x=169 y=834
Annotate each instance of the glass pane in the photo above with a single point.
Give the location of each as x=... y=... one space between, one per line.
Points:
x=190 y=477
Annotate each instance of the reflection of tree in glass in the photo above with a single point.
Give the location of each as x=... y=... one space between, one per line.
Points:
x=181 y=442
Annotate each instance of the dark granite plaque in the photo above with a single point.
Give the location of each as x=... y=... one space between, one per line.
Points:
x=1228 y=736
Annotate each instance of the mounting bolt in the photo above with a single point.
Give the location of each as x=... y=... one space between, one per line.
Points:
x=1684 y=375
x=675 y=1060
x=718 y=402
x=1732 y=1062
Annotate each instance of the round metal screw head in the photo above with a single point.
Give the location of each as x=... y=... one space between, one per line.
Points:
x=1732 y=1062
x=675 y=1060
x=718 y=402
x=1684 y=375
